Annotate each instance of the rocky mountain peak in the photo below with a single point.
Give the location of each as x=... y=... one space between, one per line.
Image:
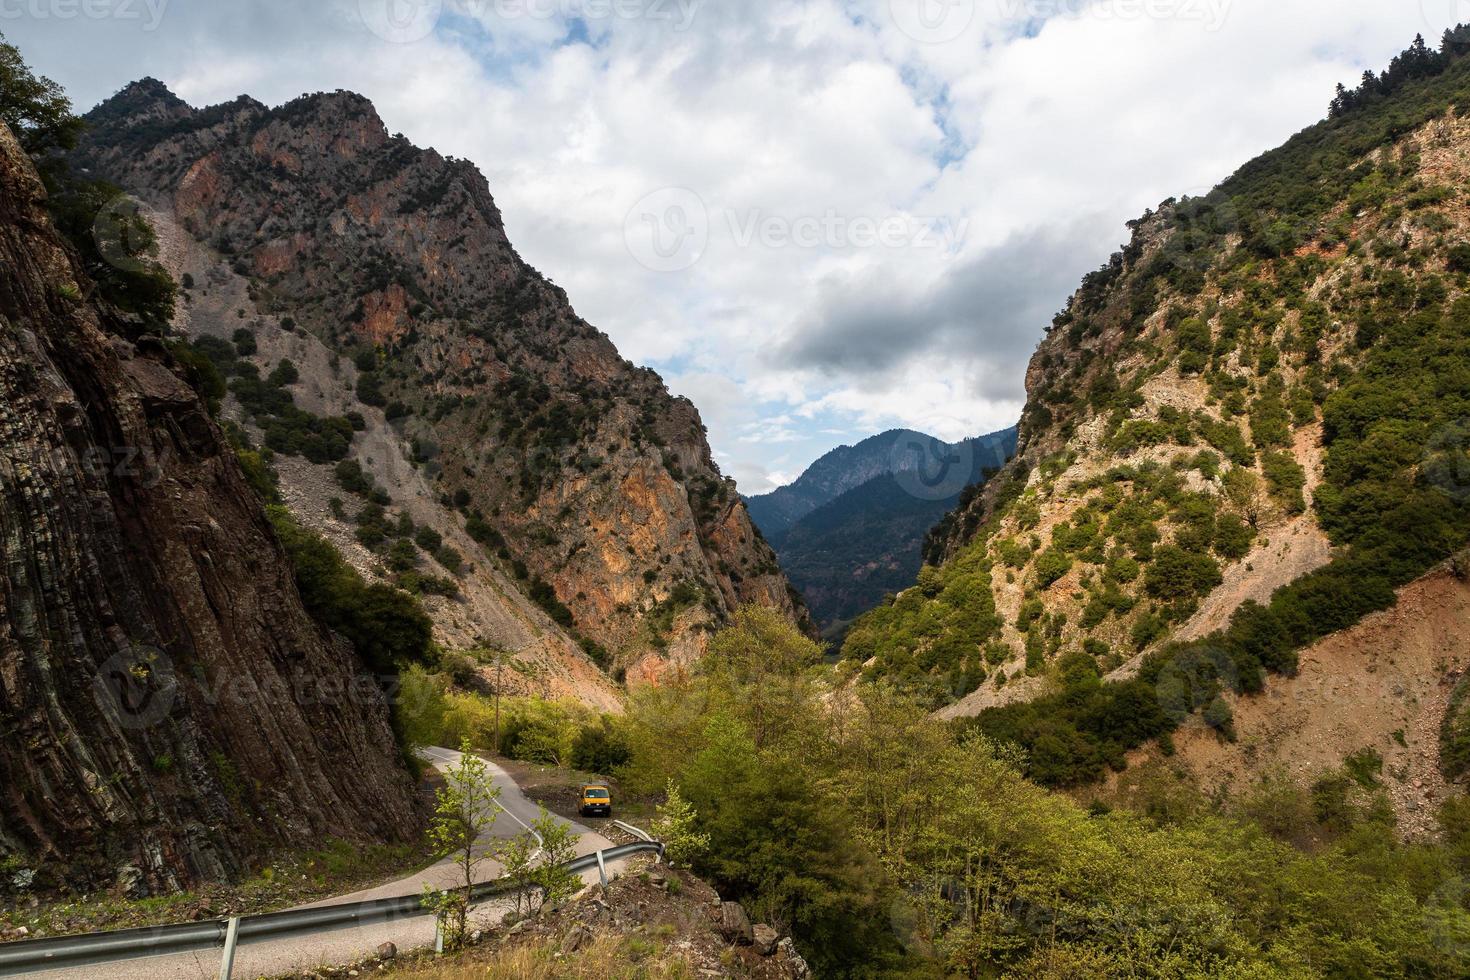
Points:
x=583 y=479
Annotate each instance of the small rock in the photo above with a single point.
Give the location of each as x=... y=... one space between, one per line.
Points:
x=735 y=924
x=576 y=938
x=766 y=939
x=476 y=936
x=387 y=951
x=22 y=932
x=799 y=968
x=352 y=973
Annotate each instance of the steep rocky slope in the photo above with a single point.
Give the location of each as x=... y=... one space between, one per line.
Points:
x=852 y=550
x=169 y=708
x=1382 y=688
x=491 y=411
x=1245 y=432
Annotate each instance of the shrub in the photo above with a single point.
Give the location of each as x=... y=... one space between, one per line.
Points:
x=1050 y=566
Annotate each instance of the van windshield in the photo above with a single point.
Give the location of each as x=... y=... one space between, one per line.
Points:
x=597 y=794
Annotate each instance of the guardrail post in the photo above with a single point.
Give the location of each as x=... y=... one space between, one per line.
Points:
x=602 y=869
x=232 y=936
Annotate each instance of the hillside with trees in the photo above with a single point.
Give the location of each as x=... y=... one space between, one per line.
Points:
x=1243 y=434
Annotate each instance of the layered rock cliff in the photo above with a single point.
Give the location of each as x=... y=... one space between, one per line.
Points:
x=495 y=414
x=168 y=707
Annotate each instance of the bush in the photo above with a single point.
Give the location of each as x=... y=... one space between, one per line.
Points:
x=1050 y=566
x=388 y=628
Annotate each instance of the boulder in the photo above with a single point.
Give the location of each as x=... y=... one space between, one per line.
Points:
x=766 y=939
x=735 y=924
x=576 y=938
x=799 y=969
x=387 y=951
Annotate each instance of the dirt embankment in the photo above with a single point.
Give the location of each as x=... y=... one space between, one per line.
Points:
x=1384 y=684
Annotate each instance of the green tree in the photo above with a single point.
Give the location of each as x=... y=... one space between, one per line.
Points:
x=36 y=109
x=558 y=846
x=675 y=825
x=464 y=812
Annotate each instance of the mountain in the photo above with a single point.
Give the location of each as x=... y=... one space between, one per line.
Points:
x=835 y=473
x=435 y=406
x=854 y=548
x=1243 y=444
x=171 y=709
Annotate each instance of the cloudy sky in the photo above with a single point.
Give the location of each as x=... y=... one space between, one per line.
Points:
x=816 y=219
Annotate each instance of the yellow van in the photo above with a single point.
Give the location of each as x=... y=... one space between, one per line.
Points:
x=596 y=800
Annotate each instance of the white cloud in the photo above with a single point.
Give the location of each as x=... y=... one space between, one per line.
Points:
x=1038 y=130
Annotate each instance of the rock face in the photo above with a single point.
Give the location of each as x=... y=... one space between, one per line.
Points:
x=598 y=485
x=735 y=924
x=169 y=708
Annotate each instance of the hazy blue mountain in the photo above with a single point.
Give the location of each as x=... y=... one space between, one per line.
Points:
x=851 y=528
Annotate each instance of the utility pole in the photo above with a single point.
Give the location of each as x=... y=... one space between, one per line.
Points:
x=499 y=674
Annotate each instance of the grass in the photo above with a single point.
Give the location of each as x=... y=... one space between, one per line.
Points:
x=606 y=958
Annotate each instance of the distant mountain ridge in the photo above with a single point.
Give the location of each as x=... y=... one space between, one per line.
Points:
x=844 y=468
x=851 y=529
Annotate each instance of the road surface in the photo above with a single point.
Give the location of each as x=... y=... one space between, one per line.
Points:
x=299 y=953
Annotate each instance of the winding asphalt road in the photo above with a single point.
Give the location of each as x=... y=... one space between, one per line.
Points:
x=300 y=953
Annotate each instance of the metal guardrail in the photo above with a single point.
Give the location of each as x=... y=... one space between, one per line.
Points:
x=191 y=937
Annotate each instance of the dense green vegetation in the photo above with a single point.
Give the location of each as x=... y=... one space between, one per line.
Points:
x=895 y=845
x=270 y=405
x=386 y=626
